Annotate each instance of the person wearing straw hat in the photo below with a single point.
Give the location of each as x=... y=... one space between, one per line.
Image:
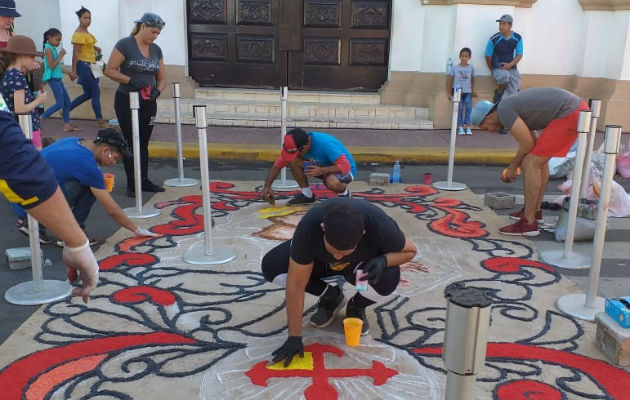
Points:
x=26 y=178
x=551 y=110
x=315 y=155
x=19 y=53
x=337 y=237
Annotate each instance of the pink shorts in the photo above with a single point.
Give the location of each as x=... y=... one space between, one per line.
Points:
x=558 y=137
x=37 y=139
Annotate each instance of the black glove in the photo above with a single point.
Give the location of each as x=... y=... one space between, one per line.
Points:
x=374 y=269
x=135 y=83
x=155 y=93
x=289 y=349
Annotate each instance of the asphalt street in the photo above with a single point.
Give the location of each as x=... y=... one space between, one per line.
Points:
x=615 y=273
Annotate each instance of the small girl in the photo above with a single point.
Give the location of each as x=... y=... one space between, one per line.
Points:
x=53 y=74
x=20 y=54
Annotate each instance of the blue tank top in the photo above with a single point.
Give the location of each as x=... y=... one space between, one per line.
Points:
x=48 y=72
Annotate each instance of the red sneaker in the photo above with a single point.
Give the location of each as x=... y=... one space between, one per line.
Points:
x=521 y=228
x=518 y=215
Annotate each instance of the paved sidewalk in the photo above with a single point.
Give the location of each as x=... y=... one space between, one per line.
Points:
x=263 y=144
x=371 y=145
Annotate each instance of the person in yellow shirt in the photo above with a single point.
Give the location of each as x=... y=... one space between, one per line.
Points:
x=83 y=61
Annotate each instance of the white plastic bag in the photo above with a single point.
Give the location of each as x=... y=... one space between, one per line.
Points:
x=584 y=228
x=559 y=167
x=623 y=161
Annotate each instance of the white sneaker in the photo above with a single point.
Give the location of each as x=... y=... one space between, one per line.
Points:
x=460 y=131
x=468 y=131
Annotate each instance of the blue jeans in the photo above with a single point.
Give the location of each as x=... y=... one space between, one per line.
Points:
x=62 y=100
x=90 y=89
x=80 y=198
x=465 y=105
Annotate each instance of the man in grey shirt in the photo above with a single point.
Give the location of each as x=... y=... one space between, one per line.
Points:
x=555 y=112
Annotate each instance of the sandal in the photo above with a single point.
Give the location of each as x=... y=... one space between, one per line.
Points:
x=71 y=128
x=102 y=124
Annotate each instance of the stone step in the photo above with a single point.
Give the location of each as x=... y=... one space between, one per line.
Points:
x=262 y=122
x=300 y=96
x=313 y=115
x=262 y=108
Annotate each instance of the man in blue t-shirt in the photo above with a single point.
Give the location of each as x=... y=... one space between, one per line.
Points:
x=503 y=51
x=76 y=165
x=313 y=154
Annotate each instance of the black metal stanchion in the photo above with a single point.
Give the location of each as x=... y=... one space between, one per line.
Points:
x=138 y=211
x=206 y=254
x=465 y=339
x=587 y=306
x=180 y=181
x=37 y=291
x=566 y=257
x=283 y=184
x=449 y=184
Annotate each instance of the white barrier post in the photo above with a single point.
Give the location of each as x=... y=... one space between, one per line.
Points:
x=138 y=211
x=206 y=254
x=37 y=291
x=283 y=184
x=587 y=306
x=567 y=258
x=180 y=181
x=449 y=184
x=595 y=105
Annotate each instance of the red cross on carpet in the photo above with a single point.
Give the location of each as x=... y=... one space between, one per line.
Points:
x=320 y=389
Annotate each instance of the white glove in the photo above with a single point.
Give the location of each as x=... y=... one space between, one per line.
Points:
x=81 y=260
x=145 y=232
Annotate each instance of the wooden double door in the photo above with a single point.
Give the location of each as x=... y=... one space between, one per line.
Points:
x=302 y=44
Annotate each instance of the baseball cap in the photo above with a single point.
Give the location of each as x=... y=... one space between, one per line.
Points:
x=505 y=18
x=112 y=137
x=294 y=140
x=480 y=110
x=343 y=224
x=151 y=20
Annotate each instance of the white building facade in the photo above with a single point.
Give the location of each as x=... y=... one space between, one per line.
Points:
x=579 y=45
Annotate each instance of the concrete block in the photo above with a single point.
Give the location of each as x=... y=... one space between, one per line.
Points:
x=499 y=200
x=379 y=179
x=612 y=339
x=20 y=258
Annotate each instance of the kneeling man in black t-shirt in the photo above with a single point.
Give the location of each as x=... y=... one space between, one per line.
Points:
x=336 y=237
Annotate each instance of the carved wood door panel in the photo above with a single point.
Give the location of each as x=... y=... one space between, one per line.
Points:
x=345 y=45
x=305 y=44
x=234 y=43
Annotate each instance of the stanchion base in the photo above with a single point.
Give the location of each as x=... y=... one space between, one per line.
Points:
x=24 y=294
x=185 y=182
x=444 y=185
x=575 y=305
x=556 y=258
x=145 y=212
x=219 y=255
x=285 y=186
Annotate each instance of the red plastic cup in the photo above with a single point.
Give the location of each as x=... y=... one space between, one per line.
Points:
x=428 y=177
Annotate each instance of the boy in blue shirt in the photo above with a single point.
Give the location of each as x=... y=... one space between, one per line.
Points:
x=462 y=75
